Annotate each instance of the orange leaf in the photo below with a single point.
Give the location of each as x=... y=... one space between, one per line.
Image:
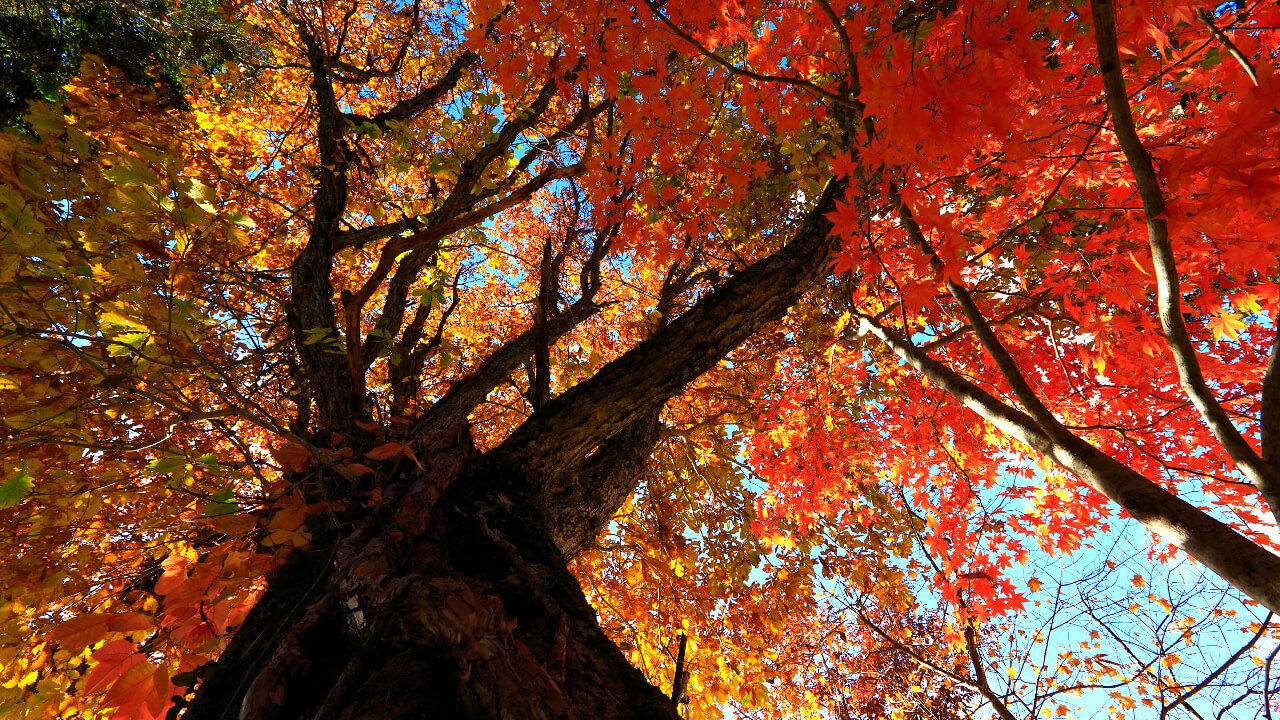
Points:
x=287 y=537
x=235 y=523
x=408 y=452
x=1226 y=325
x=289 y=518
x=129 y=622
x=139 y=693
x=80 y=632
x=292 y=457
x=113 y=660
x=385 y=452
x=175 y=574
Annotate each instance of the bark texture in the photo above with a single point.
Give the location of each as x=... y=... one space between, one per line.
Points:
x=451 y=597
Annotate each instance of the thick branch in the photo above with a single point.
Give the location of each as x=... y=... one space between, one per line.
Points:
x=428 y=237
x=469 y=392
x=406 y=376
x=586 y=114
x=382 y=336
x=310 y=306
x=980 y=674
x=1270 y=414
x=366 y=235
x=639 y=382
x=455 y=213
x=579 y=505
x=1222 y=37
x=1168 y=294
x=462 y=194
x=543 y=306
x=464 y=396
x=1247 y=566
x=578 y=508
x=426 y=98
x=943 y=340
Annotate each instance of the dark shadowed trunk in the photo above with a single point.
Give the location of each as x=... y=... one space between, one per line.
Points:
x=451 y=596
x=449 y=599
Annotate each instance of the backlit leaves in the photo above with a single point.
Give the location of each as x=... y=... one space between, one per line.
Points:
x=810 y=490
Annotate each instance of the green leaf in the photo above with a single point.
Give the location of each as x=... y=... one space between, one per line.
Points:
x=126 y=343
x=210 y=461
x=197 y=190
x=242 y=220
x=315 y=335
x=46 y=119
x=15 y=488
x=164 y=466
x=127 y=175
x=221 y=503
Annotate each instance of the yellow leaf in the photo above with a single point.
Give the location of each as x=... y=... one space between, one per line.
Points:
x=1247 y=303
x=1226 y=325
x=111 y=317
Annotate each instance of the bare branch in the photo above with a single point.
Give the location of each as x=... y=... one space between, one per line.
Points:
x=1184 y=697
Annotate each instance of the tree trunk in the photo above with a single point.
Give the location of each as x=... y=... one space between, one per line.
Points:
x=448 y=599
x=451 y=597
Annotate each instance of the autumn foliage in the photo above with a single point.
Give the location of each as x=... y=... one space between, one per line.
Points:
x=1035 y=307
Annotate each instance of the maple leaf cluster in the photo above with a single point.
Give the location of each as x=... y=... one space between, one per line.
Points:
x=1057 y=280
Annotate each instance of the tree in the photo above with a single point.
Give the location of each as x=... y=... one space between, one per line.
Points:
x=42 y=44
x=404 y=319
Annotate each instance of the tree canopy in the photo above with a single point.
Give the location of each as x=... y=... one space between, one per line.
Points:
x=372 y=358
x=152 y=42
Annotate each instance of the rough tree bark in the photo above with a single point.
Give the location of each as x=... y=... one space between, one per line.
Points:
x=451 y=597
